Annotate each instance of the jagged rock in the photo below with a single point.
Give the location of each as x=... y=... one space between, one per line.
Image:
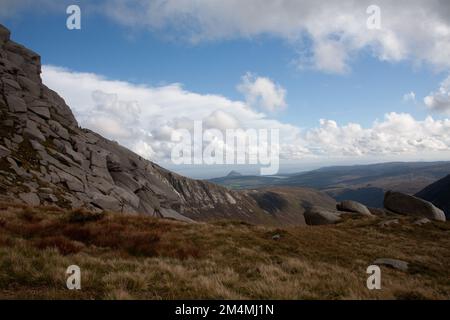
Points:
x=17 y=139
x=353 y=206
x=32 y=131
x=4 y=152
x=409 y=205
x=13 y=84
x=392 y=263
x=73 y=184
x=32 y=87
x=41 y=111
x=77 y=157
x=172 y=214
x=30 y=198
x=319 y=216
x=106 y=202
x=101 y=184
x=98 y=159
x=19 y=171
x=16 y=104
x=47 y=195
x=126 y=196
x=59 y=130
x=126 y=181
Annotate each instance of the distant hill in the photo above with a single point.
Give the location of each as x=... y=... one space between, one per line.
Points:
x=363 y=183
x=439 y=194
x=288 y=204
x=234 y=174
x=238 y=182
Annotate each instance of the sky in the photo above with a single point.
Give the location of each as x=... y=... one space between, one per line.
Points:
x=338 y=91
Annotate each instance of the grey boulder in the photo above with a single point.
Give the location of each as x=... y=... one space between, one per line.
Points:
x=353 y=206
x=31 y=199
x=409 y=205
x=392 y=263
x=320 y=216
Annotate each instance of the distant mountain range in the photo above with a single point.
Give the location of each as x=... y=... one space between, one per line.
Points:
x=362 y=183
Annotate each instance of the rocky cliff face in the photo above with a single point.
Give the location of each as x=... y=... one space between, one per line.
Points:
x=46 y=158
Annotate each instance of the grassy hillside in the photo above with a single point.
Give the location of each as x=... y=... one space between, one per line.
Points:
x=124 y=257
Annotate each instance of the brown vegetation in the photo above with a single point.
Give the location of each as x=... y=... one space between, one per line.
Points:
x=126 y=257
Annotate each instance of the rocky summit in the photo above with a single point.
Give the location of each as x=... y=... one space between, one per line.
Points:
x=47 y=159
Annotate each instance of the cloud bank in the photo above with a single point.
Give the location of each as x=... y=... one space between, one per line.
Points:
x=143 y=118
x=327 y=35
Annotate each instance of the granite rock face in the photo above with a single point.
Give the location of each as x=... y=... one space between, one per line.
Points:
x=43 y=147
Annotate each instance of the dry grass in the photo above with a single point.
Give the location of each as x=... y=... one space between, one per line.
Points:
x=137 y=257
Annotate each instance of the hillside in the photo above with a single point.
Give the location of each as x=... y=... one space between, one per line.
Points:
x=363 y=183
x=127 y=256
x=289 y=204
x=438 y=193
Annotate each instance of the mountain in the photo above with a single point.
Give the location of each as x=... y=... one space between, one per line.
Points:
x=234 y=174
x=438 y=193
x=46 y=158
x=362 y=183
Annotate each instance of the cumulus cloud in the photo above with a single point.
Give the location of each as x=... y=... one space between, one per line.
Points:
x=143 y=118
x=328 y=35
x=262 y=92
x=397 y=134
x=439 y=101
x=414 y=30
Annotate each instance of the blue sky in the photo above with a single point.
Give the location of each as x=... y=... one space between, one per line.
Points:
x=373 y=84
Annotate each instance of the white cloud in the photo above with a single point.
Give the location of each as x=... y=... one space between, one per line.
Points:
x=263 y=92
x=414 y=30
x=417 y=31
x=409 y=97
x=439 y=101
x=398 y=134
x=144 y=117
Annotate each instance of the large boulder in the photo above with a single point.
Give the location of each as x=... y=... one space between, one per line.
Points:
x=392 y=263
x=353 y=206
x=409 y=205
x=318 y=216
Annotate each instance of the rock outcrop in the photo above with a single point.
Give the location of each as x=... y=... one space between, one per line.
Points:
x=409 y=205
x=353 y=206
x=393 y=263
x=438 y=193
x=46 y=158
x=315 y=216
